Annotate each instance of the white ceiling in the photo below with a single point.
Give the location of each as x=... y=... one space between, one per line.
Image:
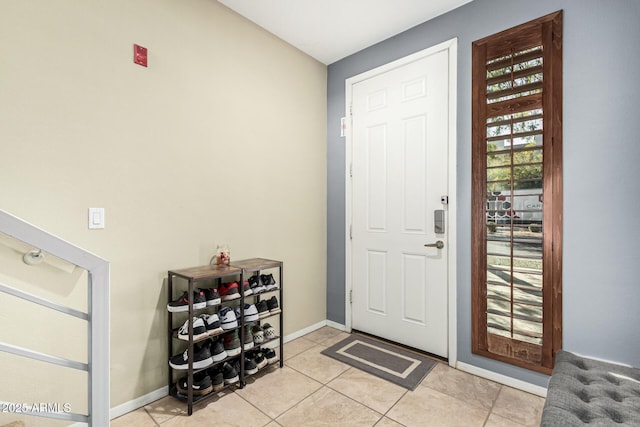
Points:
x=330 y=30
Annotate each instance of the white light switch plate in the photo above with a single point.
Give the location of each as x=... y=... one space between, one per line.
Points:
x=96 y=218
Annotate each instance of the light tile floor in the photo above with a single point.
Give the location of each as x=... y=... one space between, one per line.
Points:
x=315 y=390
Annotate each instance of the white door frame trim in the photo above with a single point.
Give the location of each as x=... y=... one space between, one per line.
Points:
x=452 y=47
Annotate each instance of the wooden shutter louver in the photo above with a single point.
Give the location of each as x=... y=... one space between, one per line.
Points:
x=517 y=194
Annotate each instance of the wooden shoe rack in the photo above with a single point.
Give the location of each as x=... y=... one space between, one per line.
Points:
x=208 y=276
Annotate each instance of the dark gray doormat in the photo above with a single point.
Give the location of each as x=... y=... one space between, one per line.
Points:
x=388 y=362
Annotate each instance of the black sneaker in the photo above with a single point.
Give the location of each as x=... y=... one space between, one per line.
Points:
x=229 y=374
x=218 y=352
x=217 y=379
x=260 y=360
x=263 y=308
x=270 y=355
x=201 y=359
x=272 y=303
x=269 y=282
x=246 y=288
x=256 y=284
x=250 y=366
x=211 y=296
x=201 y=384
x=181 y=304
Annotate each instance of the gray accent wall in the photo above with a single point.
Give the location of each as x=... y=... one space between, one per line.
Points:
x=601 y=290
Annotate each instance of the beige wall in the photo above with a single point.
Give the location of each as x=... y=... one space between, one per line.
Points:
x=220 y=140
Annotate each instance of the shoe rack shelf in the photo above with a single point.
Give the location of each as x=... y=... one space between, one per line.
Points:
x=214 y=276
x=253 y=267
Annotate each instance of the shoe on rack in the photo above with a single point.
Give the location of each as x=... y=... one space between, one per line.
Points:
x=229 y=374
x=212 y=323
x=218 y=352
x=217 y=378
x=228 y=318
x=260 y=360
x=211 y=296
x=231 y=343
x=246 y=288
x=202 y=358
x=263 y=309
x=269 y=282
x=199 y=330
x=272 y=303
x=248 y=338
x=270 y=355
x=258 y=334
x=181 y=304
x=229 y=291
x=256 y=284
x=201 y=384
x=250 y=366
x=250 y=313
x=269 y=332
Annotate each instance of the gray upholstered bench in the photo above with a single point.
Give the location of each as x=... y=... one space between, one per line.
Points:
x=586 y=391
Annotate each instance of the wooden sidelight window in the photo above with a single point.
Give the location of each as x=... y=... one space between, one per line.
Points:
x=517 y=194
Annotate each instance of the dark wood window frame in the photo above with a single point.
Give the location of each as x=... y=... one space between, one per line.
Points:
x=547 y=96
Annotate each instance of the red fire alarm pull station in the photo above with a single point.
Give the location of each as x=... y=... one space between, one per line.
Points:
x=140 y=55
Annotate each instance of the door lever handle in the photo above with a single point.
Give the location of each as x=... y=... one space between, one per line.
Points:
x=439 y=244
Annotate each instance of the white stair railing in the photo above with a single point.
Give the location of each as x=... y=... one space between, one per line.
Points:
x=97 y=317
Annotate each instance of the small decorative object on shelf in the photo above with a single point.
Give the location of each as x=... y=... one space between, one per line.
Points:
x=223 y=256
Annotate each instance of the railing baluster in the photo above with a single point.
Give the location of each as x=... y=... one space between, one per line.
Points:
x=46 y=303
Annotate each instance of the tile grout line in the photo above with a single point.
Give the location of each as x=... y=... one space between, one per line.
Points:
x=323 y=385
x=384 y=415
x=364 y=404
x=493 y=404
x=151 y=416
x=298 y=402
x=258 y=409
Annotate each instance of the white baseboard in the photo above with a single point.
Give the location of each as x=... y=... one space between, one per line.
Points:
x=336 y=325
x=502 y=379
x=132 y=405
x=148 y=398
x=305 y=331
x=138 y=402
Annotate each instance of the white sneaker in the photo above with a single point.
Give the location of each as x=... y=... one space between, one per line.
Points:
x=269 y=332
x=228 y=318
x=250 y=313
x=199 y=330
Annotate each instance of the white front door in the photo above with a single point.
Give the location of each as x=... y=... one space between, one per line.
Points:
x=400 y=131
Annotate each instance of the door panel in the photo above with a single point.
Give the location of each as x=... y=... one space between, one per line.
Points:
x=414 y=182
x=400 y=170
x=376 y=282
x=376 y=147
x=414 y=288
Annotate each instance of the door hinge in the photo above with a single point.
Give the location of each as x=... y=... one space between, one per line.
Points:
x=350 y=109
x=350 y=296
x=351 y=170
x=350 y=232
